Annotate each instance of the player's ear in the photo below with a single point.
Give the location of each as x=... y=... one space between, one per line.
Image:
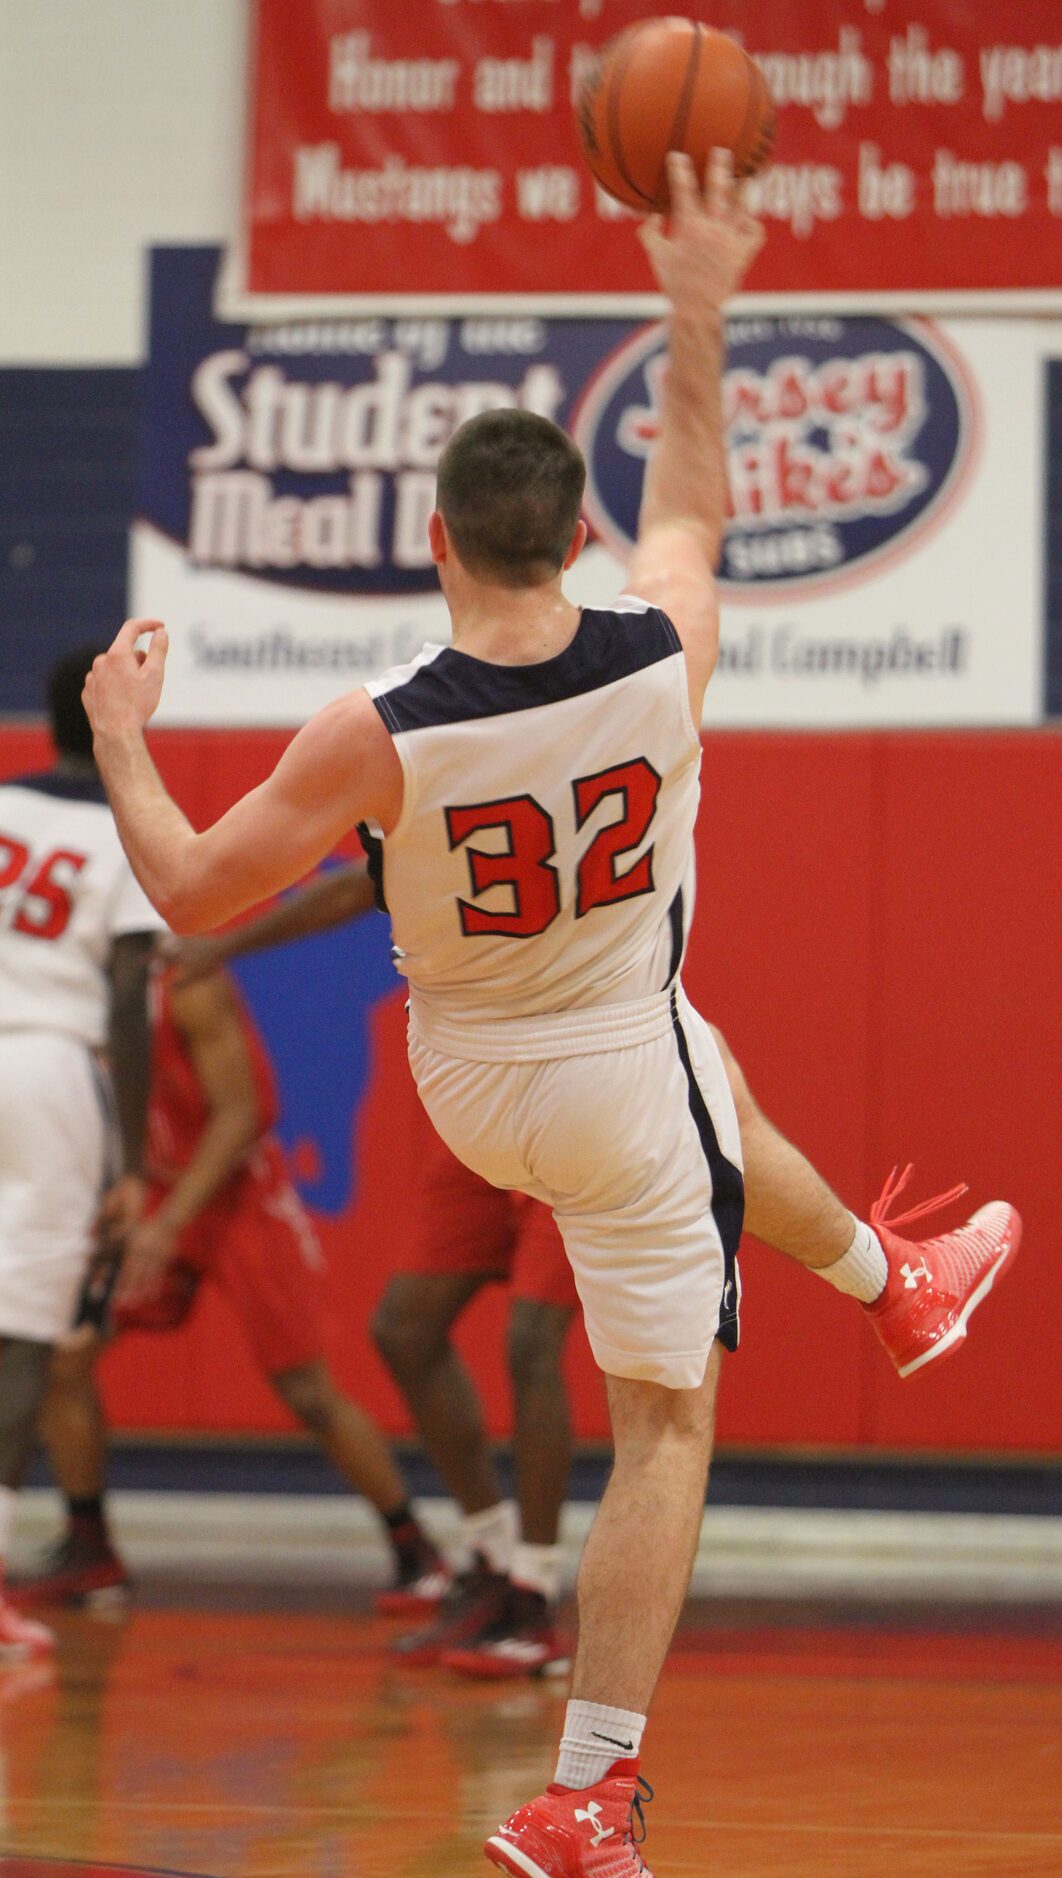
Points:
x=437 y=538
x=578 y=544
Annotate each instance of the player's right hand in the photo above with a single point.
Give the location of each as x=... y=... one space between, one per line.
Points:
x=123 y=688
x=702 y=252
x=118 y=1213
x=150 y=1248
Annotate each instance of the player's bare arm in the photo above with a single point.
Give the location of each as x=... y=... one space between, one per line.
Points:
x=129 y=1049
x=129 y=1039
x=340 y=769
x=208 y=1018
x=337 y=896
x=700 y=258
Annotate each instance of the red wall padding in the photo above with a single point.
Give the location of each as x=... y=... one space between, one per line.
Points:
x=878 y=934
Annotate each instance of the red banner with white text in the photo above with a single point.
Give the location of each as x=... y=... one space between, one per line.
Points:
x=429 y=149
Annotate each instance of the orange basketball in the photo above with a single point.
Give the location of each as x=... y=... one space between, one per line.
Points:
x=671 y=84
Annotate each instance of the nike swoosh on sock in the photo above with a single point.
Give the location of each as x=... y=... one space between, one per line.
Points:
x=627 y=1746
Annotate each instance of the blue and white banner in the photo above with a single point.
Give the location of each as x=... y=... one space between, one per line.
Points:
x=884 y=555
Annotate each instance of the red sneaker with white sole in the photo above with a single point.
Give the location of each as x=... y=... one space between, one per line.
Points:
x=590 y=1832
x=935 y=1285
x=475 y=1599
x=522 y=1641
x=21 y=1637
x=81 y=1568
x=416 y=1597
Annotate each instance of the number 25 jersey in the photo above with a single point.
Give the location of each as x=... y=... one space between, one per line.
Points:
x=543 y=859
x=66 y=891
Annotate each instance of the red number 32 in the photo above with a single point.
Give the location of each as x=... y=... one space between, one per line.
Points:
x=526 y=863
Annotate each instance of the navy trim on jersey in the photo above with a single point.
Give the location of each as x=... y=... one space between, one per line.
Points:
x=676 y=914
x=54 y=782
x=374 y=856
x=728 y=1189
x=454 y=687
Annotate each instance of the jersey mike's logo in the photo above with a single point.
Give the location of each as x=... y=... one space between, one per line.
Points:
x=846 y=439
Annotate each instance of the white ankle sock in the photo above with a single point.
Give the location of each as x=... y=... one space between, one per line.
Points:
x=862 y=1272
x=493 y=1532
x=537 y=1568
x=594 y=1738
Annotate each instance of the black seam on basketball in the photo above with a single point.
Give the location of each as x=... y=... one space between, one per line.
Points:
x=769 y=126
x=760 y=102
x=612 y=115
x=752 y=112
x=769 y=123
x=682 y=109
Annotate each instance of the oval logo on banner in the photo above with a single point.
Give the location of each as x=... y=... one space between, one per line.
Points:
x=846 y=438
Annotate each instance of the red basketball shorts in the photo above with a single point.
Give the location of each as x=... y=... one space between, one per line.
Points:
x=466 y=1225
x=256 y=1242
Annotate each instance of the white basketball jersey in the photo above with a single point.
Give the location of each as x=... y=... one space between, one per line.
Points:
x=543 y=858
x=66 y=890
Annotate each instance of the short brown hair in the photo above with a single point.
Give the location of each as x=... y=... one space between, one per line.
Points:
x=509 y=489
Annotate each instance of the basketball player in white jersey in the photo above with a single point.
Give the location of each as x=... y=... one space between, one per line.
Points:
x=75 y=937
x=535 y=787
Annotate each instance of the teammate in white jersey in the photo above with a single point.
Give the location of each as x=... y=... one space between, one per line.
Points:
x=534 y=786
x=75 y=938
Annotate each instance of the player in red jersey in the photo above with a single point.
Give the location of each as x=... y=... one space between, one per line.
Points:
x=220 y=1207
x=499 y=1617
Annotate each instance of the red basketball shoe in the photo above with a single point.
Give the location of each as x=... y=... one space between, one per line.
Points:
x=418 y=1595
x=935 y=1285
x=422 y=1576
x=475 y=1599
x=591 y=1832
x=81 y=1568
x=20 y=1636
x=522 y=1641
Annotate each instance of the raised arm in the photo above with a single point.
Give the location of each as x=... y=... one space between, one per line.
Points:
x=699 y=258
x=339 y=770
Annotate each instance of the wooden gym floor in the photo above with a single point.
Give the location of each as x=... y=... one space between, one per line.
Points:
x=248 y=1736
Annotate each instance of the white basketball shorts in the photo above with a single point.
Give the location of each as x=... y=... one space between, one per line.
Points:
x=53 y=1139
x=621 y=1119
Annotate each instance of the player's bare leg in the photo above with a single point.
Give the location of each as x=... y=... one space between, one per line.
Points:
x=411 y=1329
x=787 y=1204
x=631 y=1591
x=351 y=1441
x=522 y=1640
x=23 y=1381
x=358 y=1451
x=83 y=1565
x=72 y=1425
x=632 y=1581
x=542 y=1435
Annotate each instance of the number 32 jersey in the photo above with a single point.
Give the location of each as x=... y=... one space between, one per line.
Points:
x=543 y=859
x=66 y=891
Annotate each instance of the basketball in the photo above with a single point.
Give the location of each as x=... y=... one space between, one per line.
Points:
x=671 y=84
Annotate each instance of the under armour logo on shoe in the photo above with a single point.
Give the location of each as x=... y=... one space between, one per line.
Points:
x=911 y=1275
x=592 y=1816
